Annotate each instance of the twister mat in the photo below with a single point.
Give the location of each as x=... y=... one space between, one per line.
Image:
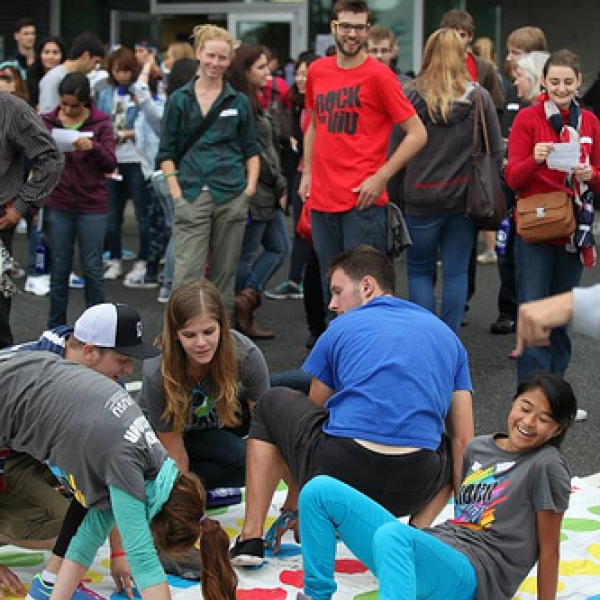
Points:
x=281 y=577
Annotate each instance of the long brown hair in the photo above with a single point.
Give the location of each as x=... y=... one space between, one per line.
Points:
x=443 y=78
x=182 y=522
x=187 y=302
x=237 y=73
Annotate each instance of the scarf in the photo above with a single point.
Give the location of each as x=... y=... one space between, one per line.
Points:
x=582 y=240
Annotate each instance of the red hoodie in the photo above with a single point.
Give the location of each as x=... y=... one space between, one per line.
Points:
x=83 y=186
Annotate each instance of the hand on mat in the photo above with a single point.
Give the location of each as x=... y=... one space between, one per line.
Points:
x=121 y=573
x=286 y=521
x=11 y=582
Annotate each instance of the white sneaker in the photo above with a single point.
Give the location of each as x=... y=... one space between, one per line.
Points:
x=163 y=294
x=38 y=285
x=581 y=415
x=76 y=282
x=488 y=257
x=113 y=269
x=139 y=270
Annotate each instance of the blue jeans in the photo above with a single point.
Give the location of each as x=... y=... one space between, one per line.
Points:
x=409 y=563
x=333 y=233
x=543 y=270
x=255 y=272
x=133 y=186
x=62 y=229
x=453 y=234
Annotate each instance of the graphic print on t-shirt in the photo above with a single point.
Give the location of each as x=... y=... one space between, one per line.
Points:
x=338 y=109
x=204 y=413
x=480 y=494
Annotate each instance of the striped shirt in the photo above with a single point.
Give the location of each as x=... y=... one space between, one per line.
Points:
x=22 y=135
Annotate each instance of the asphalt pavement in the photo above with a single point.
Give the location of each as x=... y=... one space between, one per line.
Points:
x=493 y=372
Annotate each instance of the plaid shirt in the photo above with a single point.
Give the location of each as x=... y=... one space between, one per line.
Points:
x=22 y=134
x=217 y=160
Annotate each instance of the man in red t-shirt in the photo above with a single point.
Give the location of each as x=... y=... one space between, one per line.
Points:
x=354 y=102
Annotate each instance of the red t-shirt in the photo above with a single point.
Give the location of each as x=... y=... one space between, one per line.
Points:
x=354 y=111
x=472 y=67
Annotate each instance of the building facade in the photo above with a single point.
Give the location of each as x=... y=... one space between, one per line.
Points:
x=289 y=26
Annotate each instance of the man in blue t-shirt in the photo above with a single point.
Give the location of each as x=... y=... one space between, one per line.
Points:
x=389 y=410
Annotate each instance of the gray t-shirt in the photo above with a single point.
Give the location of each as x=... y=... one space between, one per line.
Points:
x=49 y=96
x=494 y=523
x=253 y=375
x=84 y=425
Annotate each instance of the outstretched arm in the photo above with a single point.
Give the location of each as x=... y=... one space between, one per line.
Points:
x=548 y=527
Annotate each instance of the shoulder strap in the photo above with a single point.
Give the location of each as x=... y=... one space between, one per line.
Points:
x=210 y=118
x=480 y=117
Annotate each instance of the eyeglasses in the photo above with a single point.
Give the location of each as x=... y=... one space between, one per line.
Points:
x=379 y=51
x=348 y=27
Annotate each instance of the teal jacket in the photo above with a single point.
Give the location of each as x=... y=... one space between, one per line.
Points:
x=218 y=158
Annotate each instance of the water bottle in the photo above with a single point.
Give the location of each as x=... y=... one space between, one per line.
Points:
x=40 y=258
x=502 y=236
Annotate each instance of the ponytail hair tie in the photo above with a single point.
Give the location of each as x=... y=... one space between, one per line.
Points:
x=201 y=519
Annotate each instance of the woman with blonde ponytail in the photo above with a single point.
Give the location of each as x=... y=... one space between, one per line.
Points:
x=190 y=391
x=433 y=186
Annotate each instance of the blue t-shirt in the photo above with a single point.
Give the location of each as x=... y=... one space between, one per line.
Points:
x=393 y=367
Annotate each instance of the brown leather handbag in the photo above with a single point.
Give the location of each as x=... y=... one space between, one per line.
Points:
x=544 y=217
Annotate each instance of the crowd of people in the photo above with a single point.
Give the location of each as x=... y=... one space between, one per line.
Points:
x=213 y=148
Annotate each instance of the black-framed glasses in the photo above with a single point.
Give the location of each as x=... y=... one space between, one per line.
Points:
x=348 y=27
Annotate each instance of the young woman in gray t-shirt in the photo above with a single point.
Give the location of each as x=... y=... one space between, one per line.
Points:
x=507 y=515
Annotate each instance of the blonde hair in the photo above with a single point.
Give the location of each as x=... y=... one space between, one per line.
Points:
x=444 y=77
x=187 y=302
x=532 y=65
x=484 y=48
x=180 y=50
x=207 y=33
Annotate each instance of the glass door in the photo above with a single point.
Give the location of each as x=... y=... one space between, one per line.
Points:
x=280 y=32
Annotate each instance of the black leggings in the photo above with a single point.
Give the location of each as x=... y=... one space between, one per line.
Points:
x=73 y=518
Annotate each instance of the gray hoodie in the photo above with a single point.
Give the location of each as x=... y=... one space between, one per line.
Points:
x=435 y=181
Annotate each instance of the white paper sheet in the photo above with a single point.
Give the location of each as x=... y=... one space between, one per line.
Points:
x=64 y=138
x=564 y=156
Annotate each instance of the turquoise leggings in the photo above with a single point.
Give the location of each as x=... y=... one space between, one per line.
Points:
x=408 y=563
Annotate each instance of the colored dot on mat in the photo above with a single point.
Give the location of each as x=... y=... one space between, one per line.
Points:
x=294 y=578
x=579 y=567
x=261 y=594
x=529 y=586
x=580 y=524
x=92 y=576
x=349 y=566
x=374 y=595
x=594 y=550
x=231 y=532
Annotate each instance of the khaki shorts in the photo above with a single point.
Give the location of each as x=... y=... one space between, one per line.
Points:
x=31 y=508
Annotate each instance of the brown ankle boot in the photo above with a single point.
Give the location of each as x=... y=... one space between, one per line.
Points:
x=246 y=302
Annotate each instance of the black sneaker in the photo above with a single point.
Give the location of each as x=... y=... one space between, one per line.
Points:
x=248 y=553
